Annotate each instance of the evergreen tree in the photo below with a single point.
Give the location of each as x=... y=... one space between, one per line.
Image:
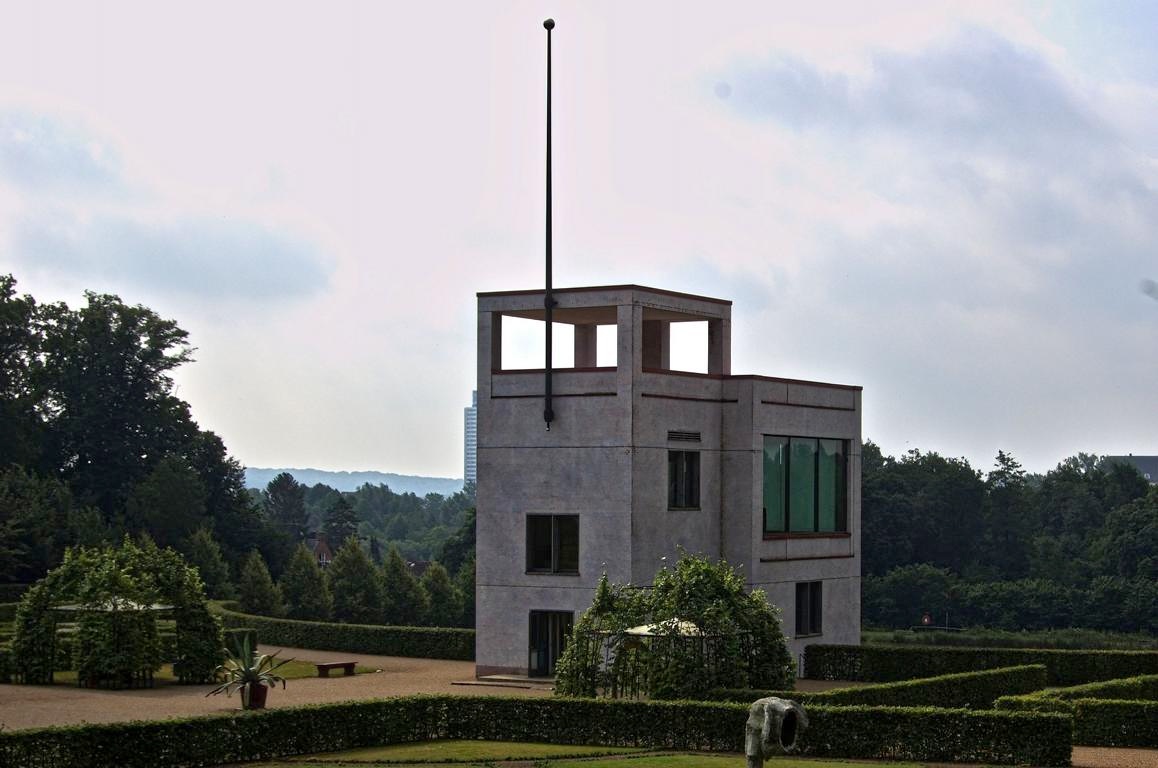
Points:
x=204 y=553
x=285 y=504
x=405 y=601
x=259 y=594
x=445 y=602
x=341 y=522
x=303 y=587
x=375 y=550
x=354 y=584
x=464 y=581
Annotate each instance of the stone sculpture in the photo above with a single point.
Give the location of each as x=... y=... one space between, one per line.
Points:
x=773 y=728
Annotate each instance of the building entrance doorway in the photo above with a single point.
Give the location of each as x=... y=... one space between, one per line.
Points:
x=549 y=633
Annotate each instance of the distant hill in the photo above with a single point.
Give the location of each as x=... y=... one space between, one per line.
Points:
x=259 y=477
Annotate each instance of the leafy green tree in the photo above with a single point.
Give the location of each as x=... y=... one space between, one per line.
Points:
x=285 y=504
x=355 y=585
x=258 y=593
x=341 y=522
x=203 y=552
x=1007 y=522
x=1127 y=544
x=460 y=546
x=464 y=581
x=405 y=602
x=303 y=586
x=20 y=344
x=106 y=396
x=444 y=599
x=169 y=503
x=38 y=522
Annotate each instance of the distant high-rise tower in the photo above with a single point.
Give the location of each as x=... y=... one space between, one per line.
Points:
x=470 y=440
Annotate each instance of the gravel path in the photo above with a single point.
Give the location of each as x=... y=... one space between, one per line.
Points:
x=33 y=706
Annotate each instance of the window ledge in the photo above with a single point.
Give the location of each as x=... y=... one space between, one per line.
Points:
x=802 y=637
x=552 y=573
x=803 y=535
x=684 y=509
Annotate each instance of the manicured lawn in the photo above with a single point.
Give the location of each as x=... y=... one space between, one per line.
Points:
x=482 y=754
x=295 y=670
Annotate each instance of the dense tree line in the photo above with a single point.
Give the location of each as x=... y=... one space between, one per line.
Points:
x=1077 y=546
x=355 y=590
x=95 y=444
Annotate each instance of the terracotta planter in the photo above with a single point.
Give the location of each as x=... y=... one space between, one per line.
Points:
x=254 y=696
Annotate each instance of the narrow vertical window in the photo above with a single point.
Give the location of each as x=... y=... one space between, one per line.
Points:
x=775 y=483
x=683 y=479
x=809 y=605
x=802 y=484
x=829 y=484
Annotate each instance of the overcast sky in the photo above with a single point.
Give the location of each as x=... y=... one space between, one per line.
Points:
x=952 y=205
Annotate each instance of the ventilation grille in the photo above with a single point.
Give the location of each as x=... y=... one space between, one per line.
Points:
x=684 y=437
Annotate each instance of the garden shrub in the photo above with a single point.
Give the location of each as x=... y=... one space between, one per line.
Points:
x=8 y=611
x=734 y=639
x=923 y=734
x=415 y=642
x=878 y=663
x=975 y=690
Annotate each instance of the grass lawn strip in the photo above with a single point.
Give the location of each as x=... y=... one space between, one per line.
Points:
x=465 y=751
x=697 y=760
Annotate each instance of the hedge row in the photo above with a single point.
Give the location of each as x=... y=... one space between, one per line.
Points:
x=853 y=732
x=415 y=642
x=1111 y=723
x=974 y=690
x=1115 y=713
x=1140 y=688
x=8 y=611
x=879 y=663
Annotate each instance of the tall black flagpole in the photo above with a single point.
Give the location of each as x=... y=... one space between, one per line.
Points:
x=548 y=299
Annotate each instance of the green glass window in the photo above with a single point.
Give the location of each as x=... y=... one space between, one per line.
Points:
x=802 y=484
x=829 y=484
x=775 y=483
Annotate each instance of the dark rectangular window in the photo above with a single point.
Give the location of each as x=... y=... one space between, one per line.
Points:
x=683 y=480
x=804 y=485
x=809 y=600
x=553 y=543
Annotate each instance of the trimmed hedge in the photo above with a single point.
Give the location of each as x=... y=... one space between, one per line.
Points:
x=1111 y=723
x=414 y=642
x=974 y=690
x=857 y=732
x=8 y=611
x=881 y=664
x=1115 y=713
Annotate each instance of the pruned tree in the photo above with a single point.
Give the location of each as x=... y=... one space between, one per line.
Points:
x=303 y=587
x=405 y=602
x=355 y=585
x=257 y=591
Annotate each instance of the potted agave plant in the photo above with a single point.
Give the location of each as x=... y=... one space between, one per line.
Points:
x=250 y=673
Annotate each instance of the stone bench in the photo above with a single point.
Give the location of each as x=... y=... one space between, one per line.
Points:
x=325 y=667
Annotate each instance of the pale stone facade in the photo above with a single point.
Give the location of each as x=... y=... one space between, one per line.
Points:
x=605 y=468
